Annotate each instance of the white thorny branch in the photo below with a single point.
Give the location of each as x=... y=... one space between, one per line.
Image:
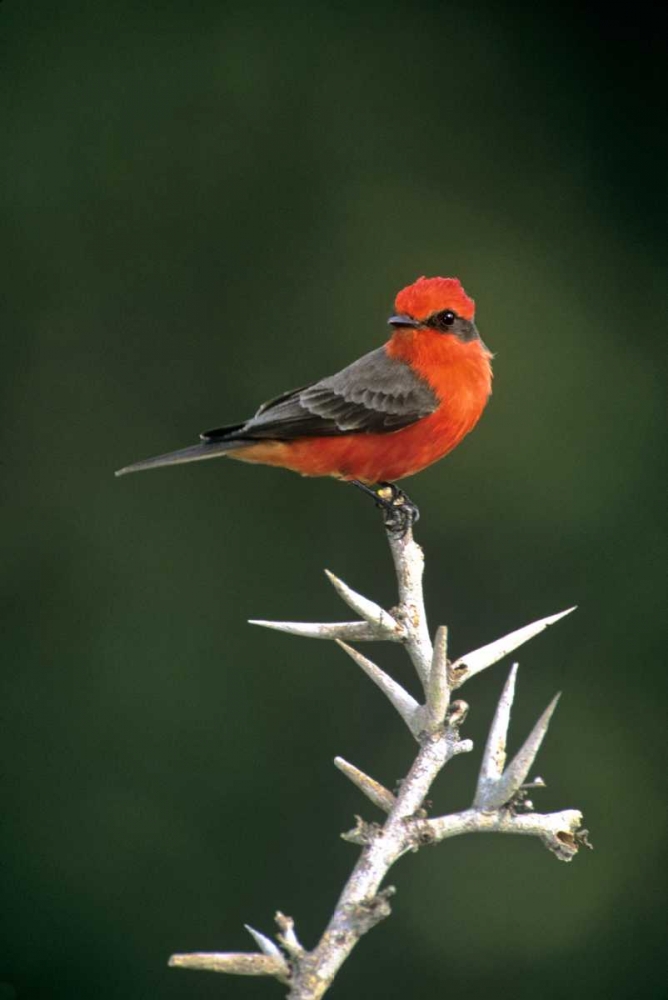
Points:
x=500 y=803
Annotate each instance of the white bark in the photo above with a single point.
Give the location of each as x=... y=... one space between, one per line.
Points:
x=499 y=805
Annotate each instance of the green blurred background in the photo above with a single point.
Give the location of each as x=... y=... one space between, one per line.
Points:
x=205 y=204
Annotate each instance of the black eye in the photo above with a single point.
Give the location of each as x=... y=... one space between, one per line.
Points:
x=446 y=318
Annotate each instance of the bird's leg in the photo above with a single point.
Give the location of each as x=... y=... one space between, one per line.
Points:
x=399 y=511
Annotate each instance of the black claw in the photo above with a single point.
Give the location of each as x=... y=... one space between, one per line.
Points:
x=399 y=511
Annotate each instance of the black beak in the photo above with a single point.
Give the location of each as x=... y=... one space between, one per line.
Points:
x=403 y=321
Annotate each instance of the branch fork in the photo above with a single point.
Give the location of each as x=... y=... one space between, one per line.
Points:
x=500 y=802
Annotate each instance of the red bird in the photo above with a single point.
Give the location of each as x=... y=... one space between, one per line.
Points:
x=384 y=417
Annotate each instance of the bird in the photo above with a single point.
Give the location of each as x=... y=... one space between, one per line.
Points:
x=385 y=417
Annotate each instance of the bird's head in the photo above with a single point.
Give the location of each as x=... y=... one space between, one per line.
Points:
x=438 y=304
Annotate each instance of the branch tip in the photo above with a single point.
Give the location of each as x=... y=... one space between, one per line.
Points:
x=287 y=935
x=561 y=832
x=233 y=963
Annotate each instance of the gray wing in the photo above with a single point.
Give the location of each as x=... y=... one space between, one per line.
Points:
x=376 y=394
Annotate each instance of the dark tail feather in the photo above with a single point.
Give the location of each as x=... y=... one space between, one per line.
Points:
x=196 y=453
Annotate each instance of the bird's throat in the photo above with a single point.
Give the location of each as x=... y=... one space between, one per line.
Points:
x=459 y=372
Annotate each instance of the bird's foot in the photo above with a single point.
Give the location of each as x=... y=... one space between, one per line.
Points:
x=399 y=511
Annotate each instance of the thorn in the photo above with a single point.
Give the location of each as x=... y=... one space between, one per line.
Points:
x=535 y=783
x=374 y=791
x=494 y=756
x=353 y=631
x=372 y=613
x=264 y=943
x=438 y=692
x=467 y=666
x=513 y=777
x=405 y=704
